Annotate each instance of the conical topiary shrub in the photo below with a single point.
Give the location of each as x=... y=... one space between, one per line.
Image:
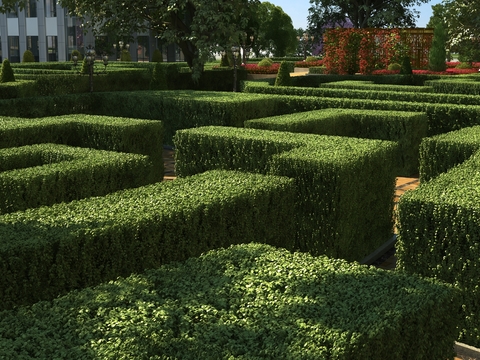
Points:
x=6 y=75
x=157 y=56
x=159 y=80
x=125 y=55
x=283 y=75
x=406 y=66
x=28 y=57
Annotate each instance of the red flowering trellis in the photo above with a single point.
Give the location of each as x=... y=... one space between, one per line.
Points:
x=363 y=50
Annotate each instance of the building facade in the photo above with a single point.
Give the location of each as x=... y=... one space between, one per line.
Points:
x=51 y=34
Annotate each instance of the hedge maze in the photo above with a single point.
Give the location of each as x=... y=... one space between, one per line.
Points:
x=102 y=260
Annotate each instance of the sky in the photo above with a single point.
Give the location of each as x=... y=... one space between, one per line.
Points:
x=298 y=11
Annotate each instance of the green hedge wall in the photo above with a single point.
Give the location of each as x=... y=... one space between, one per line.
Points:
x=97 y=132
x=442 y=118
x=48 y=251
x=316 y=80
x=439 y=237
x=336 y=212
x=441 y=152
x=369 y=85
x=406 y=128
x=455 y=86
x=249 y=301
x=176 y=109
x=370 y=94
x=45 y=174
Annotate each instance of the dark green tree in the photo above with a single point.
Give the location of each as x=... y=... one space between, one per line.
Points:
x=275 y=33
x=199 y=27
x=438 y=52
x=6 y=74
x=361 y=14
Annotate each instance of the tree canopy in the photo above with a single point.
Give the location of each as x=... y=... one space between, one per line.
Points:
x=461 y=19
x=199 y=27
x=361 y=13
x=275 y=33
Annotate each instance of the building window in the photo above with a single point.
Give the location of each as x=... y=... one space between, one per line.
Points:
x=52 y=47
x=50 y=8
x=31 y=8
x=13 y=49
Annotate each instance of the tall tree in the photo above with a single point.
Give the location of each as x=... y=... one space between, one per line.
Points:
x=461 y=19
x=199 y=27
x=275 y=33
x=361 y=13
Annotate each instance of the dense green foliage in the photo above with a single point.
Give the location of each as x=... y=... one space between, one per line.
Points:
x=97 y=132
x=6 y=73
x=47 y=174
x=369 y=85
x=439 y=237
x=407 y=128
x=459 y=85
x=438 y=51
x=440 y=153
x=442 y=117
x=157 y=55
x=246 y=302
x=406 y=68
x=51 y=250
x=335 y=211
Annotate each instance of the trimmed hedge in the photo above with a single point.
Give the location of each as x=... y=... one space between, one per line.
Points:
x=316 y=80
x=45 y=174
x=16 y=89
x=369 y=85
x=246 y=302
x=406 y=128
x=442 y=118
x=336 y=212
x=370 y=94
x=97 y=132
x=441 y=152
x=439 y=237
x=460 y=85
x=176 y=109
x=48 y=251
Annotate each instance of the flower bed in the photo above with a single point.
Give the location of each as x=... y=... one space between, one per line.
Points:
x=308 y=64
x=255 y=69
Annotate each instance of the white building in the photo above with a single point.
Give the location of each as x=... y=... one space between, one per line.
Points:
x=46 y=29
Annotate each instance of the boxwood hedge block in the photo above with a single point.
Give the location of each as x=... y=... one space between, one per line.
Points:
x=440 y=237
x=48 y=251
x=370 y=85
x=407 y=128
x=98 y=132
x=336 y=212
x=249 y=301
x=442 y=152
x=443 y=116
x=45 y=174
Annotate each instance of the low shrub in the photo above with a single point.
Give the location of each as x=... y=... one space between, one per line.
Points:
x=331 y=208
x=407 y=128
x=28 y=57
x=46 y=174
x=439 y=238
x=49 y=251
x=248 y=301
x=442 y=152
x=394 y=66
x=267 y=62
x=283 y=76
x=6 y=73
